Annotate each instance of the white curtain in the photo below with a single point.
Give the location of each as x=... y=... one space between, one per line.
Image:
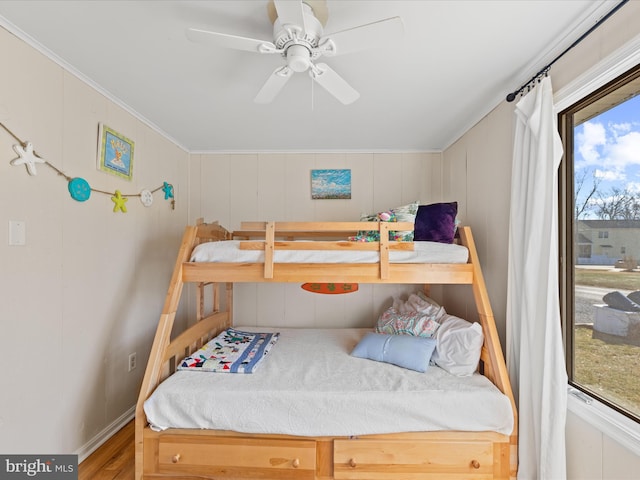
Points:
x=535 y=354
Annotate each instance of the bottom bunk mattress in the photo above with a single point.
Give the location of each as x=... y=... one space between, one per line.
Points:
x=310 y=385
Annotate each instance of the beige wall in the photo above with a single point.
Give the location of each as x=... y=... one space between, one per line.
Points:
x=87 y=288
x=477 y=171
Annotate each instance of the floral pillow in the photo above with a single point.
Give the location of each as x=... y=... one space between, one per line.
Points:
x=417 y=324
x=404 y=213
x=418 y=315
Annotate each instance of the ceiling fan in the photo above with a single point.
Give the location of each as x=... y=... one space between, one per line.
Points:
x=298 y=37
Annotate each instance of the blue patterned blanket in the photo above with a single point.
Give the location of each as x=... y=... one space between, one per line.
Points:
x=233 y=351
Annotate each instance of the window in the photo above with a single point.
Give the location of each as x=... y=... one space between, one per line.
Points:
x=600 y=199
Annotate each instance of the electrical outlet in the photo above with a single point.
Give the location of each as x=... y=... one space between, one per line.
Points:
x=132 y=361
x=17 y=232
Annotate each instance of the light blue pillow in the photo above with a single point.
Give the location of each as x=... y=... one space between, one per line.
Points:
x=404 y=351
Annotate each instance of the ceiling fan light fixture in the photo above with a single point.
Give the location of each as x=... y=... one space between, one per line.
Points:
x=298 y=58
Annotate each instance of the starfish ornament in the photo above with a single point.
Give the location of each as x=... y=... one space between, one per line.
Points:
x=27 y=158
x=167 y=188
x=119 y=201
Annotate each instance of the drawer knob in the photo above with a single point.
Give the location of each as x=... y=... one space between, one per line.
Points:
x=352 y=462
x=296 y=462
x=475 y=463
x=175 y=458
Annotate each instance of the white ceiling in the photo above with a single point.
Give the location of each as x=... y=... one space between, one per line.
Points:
x=456 y=61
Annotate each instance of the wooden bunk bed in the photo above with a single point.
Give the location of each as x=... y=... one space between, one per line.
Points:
x=221 y=454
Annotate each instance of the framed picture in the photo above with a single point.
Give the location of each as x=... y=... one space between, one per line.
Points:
x=115 y=153
x=331 y=184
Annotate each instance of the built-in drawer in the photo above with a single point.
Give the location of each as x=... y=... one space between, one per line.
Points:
x=411 y=459
x=229 y=457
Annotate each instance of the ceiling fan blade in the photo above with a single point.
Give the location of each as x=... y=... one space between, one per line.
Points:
x=334 y=83
x=290 y=12
x=230 y=41
x=273 y=85
x=371 y=35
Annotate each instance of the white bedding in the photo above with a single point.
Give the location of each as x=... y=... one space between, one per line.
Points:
x=310 y=386
x=423 y=252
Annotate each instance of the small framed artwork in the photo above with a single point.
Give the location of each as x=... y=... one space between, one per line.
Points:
x=331 y=184
x=115 y=153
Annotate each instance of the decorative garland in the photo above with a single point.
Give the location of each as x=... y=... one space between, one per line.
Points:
x=79 y=188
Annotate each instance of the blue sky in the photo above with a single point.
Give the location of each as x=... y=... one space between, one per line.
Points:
x=609 y=147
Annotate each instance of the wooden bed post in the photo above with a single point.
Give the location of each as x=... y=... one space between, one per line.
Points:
x=498 y=369
x=270 y=231
x=229 y=302
x=383 y=228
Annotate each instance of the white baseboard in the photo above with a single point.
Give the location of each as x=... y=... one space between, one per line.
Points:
x=93 y=444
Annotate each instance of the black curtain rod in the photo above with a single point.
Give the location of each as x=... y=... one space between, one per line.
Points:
x=512 y=96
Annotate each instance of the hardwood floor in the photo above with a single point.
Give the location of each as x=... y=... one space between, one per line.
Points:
x=112 y=461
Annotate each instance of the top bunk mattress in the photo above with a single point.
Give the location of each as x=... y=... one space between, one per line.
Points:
x=310 y=385
x=424 y=252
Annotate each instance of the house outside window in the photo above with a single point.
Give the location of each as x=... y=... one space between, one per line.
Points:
x=600 y=220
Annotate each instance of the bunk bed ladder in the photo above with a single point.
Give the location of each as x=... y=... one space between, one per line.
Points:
x=156 y=365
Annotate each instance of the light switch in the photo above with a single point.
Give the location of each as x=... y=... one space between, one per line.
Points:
x=17 y=232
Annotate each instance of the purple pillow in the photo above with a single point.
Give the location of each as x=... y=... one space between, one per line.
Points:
x=436 y=222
